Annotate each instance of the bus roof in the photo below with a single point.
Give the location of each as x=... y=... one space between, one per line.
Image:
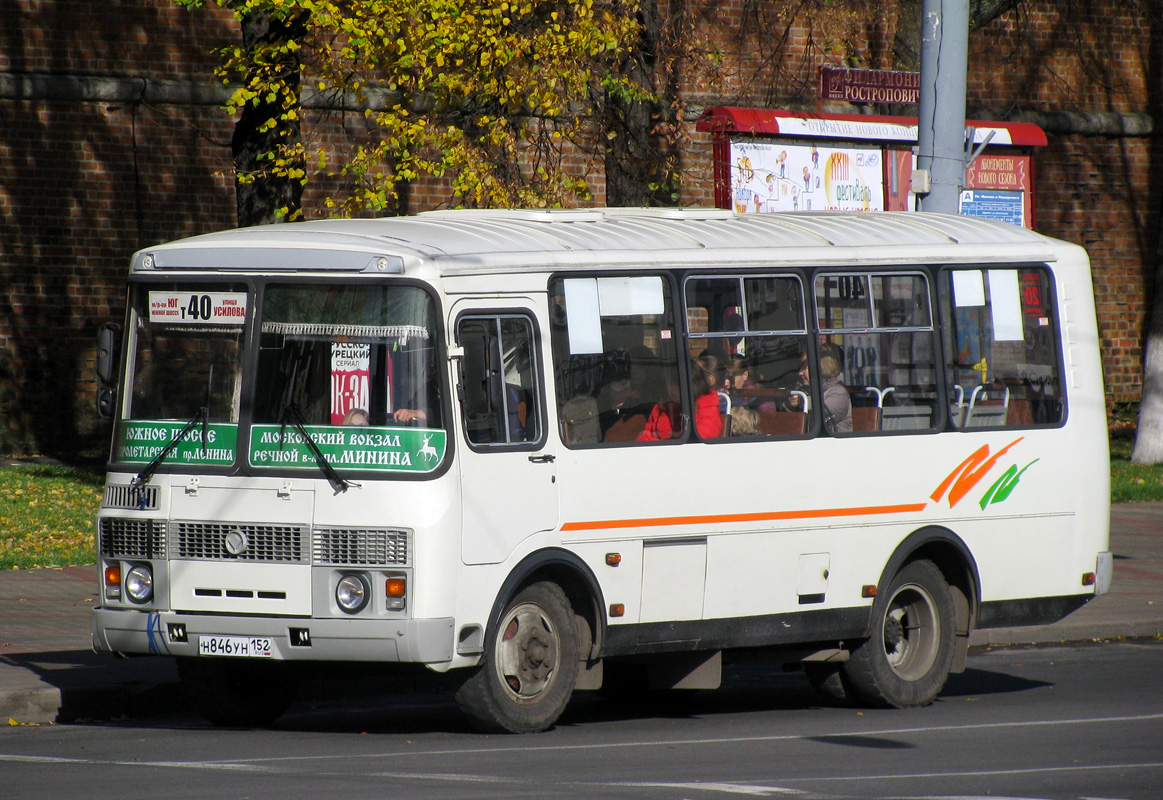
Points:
x=470 y=240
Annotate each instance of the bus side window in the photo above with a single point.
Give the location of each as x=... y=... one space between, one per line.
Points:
x=499 y=390
x=751 y=333
x=615 y=357
x=1002 y=346
x=877 y=346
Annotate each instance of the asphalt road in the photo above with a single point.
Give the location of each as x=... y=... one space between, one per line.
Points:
x=1038 y=722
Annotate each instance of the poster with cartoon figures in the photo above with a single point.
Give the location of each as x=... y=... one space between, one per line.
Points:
x=768 y=177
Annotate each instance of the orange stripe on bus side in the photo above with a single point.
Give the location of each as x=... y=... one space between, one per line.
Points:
x=607 y=524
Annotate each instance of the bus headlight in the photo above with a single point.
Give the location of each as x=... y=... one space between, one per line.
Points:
x=351 y=593
x=139 y=584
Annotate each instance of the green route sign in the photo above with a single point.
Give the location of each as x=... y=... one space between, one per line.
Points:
x=140 y=441
x=353 y=448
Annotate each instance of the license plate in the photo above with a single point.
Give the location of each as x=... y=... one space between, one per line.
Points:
x=241 y=646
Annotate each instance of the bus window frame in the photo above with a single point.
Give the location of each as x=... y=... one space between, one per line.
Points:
x=928 y=273
x=539 y=389
x=812 y=421
x=670 y=278
x=1057 y=326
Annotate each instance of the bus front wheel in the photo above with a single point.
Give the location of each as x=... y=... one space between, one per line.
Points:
x=530 y=665
x=907 y=659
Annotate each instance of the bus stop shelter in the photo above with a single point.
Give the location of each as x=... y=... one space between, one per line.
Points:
x=767 y=160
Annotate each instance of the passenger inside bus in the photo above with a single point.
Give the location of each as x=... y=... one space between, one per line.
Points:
x=743 y=389
x=662 y=423
x=356 y=416
x=622 y=411
x=744 y=421
x=837 y=406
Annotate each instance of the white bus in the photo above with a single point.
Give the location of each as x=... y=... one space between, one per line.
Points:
x=556 y=449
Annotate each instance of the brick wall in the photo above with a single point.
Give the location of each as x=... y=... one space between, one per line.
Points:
x=1099 y=191
x=84 y=183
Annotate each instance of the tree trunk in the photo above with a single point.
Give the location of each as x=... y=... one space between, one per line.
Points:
x=633 y=158
x=260 y=192
x=907 y=47
x=1149 y=436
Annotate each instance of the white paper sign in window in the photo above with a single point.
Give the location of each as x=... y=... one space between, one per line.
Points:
x=583 y=316
x=627 y=297
x=1005 y=305
x=968 y=288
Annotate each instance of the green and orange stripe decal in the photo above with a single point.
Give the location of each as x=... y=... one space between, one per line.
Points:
x=957 y=484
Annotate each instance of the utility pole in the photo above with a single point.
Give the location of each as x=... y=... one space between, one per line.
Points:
x=941 y=152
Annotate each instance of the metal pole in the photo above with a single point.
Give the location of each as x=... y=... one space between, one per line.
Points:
x=941 y=132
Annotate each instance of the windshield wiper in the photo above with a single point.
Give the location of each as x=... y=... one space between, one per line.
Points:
x=143 y=477
x=292 y=415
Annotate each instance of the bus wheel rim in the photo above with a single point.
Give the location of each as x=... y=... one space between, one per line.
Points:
x=527 y=652
x=911 y=632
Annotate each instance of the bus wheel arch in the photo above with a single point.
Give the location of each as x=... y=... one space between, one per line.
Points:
x=919 y=626
x=955 y=561
x=543 y=626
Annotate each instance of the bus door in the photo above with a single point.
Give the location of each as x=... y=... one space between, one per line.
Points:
x=507 y=462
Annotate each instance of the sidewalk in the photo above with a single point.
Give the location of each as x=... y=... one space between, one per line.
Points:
x=49 y=673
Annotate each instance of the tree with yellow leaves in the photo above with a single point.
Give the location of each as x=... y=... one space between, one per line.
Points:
x=489 y=94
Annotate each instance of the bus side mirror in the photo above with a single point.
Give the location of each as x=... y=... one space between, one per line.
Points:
x=108 y=351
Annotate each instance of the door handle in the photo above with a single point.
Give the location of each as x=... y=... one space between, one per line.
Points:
x=548 y=458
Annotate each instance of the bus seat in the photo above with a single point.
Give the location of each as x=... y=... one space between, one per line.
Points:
x=985 y=414
x=627 y=429
x=905 y=418
x=865 y=418
x=782 y=423
x=1021 y=413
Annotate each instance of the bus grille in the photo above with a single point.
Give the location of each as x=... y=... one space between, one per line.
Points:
x=360 y=546
x=258 y=542
x=132 y=538
x=141 y=499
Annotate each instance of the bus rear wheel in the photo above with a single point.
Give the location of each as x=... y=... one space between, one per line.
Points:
x=530 y=665
x=907 y=659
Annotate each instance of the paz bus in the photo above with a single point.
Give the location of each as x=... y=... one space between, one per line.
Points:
x=568 y=450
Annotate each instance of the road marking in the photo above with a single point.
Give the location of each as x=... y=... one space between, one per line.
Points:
x=270 y=765
x=981 y=773
x=728 y=788
x=526 y=747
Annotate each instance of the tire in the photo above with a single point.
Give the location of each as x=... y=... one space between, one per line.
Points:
x=529 y=669
x=237 y=694
x=826 y=679
x=907 y=659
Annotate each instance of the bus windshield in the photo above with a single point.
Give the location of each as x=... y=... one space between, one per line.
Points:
x=185 y=356
x=354 y=369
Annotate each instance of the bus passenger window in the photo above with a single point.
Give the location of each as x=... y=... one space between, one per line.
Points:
x=750 y=333
x=877 y=345
x=615 y=357
x=1003 y=348
x=498 y=382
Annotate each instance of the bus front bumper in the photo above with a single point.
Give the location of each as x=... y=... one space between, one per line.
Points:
x=421 y=641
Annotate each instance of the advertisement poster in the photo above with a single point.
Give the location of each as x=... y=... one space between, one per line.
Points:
x=350 y=379
x=769 y=177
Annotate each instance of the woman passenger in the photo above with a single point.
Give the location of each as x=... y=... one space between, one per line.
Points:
x=664 y=423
